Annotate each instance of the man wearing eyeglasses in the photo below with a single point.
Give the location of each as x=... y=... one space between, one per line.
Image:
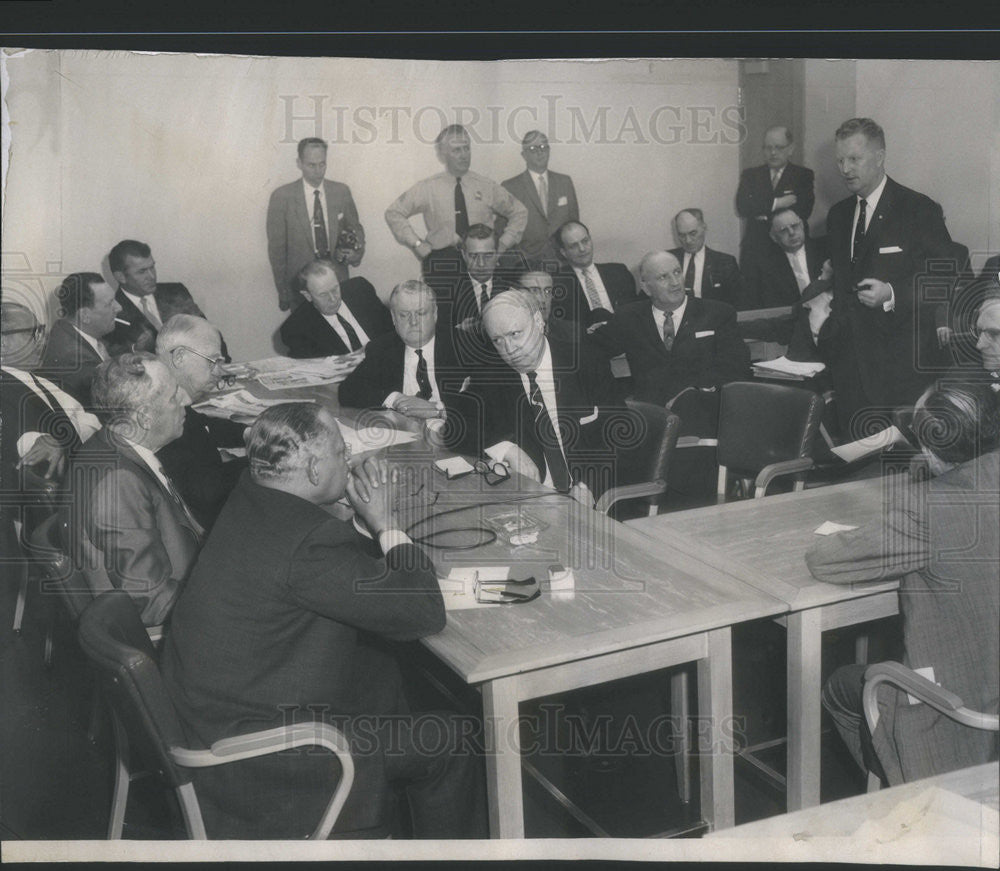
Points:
x=190 y=347
x=776 y=184
x=549 y=197
x=779 y=274
x=988 y=338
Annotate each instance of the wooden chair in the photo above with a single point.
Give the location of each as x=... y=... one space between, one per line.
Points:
x=928 y=692
x=766 y=431
x=144 y=719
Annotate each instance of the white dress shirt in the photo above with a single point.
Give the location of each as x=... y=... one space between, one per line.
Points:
x=677 y=315
x=699 y=268
x=537 y=177
x=345 y=312
x=410 y=386
x=871 y=205
x=137 y=302
x=800 y=267
x=96 y=344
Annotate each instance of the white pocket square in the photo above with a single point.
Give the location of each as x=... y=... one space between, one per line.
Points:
x=704 y=334
x=590 y=418
x=562 y=201
x=890 y=249
x=340 y=216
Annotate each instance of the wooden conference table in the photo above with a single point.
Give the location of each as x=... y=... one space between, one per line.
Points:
x=769 y=537
x=638 y=606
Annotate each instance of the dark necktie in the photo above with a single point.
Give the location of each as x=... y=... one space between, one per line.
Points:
x=56 y=422
x=352 y=336
x=668 y=330
x=689 y=277
x=319 y=228
x=859 y=230
x=423 y=379
x=484 y=297
x=461 y=214
x=545 y=429
x=176 y=496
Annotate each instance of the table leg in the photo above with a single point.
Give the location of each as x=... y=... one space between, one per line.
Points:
x=804 y=671
x=503 y=758
x=680 y=714
x=716 y=732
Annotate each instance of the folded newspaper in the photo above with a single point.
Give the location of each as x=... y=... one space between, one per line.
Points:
x=276 y=373
x=784 y=366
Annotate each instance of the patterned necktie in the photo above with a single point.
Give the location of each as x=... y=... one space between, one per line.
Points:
x=800 y=270
x=545 y=430
x=484 y=297
x=423 y=379
x=775 y=176
x=859 y=230
x=149 y=310
x=322 y=239
x=352 y=336
x=543 y=193
x=461 y=214
x=689 y=277
x=56 y=422
x=668 y=330
x=593 y=297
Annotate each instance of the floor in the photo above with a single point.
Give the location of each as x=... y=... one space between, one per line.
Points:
x=56 y=784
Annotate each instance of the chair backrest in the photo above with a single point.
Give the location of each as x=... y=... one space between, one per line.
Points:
x=114 y=639
x=652 y=456
x=761 y=423
x=46 y=549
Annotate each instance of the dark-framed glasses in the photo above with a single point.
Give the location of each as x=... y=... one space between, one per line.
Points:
x=536 y=149
x=493 y=472
x=217 y=362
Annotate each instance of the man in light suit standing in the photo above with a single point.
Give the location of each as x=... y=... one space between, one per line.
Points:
x=549 y=197
x=309 y=219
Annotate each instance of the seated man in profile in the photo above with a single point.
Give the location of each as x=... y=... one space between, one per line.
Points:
x=940 y=538
x=340 y=317
x=129 y=526
x=287 y=618
x=546 y=413
x=75 y=348
x=191 y=349
x=412 y=370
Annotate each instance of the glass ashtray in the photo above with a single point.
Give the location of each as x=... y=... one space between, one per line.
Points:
x=516 y=527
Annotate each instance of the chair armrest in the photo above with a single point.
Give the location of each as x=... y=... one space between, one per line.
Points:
x=155 y=634
x=927 y=691
x=777 y=470
x=270 y=741
x=629 y=491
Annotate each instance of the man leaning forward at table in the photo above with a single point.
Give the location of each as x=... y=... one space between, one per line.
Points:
x=285 y=617
x=941 y=537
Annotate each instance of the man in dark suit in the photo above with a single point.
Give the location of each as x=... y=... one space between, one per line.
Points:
x=286 y=617
x=587 y=292
x=145 y=305
x=191 y=349
x=311 y=218
x=129 y=528
x=777 y=275
x=991 y=268
x=881 y=239
x=339 y=318
x=549 y=197
x=74 y=349
x=763 y=190
x=940 y=538
x=680 y=349
x=548 y=412
x=707 y=274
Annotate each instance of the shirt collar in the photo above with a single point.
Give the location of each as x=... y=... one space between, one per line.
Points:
x=873 y=198
x=309 y=189
x=89 y=339
x=427 y=348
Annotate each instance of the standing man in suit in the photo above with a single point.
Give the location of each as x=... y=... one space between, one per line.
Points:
x=309 y=219
x=74 y=350
x=881 y=239
x=339 y=317
x=584 y=291
x=191 y=349
x=145 y=304
x=940 y=538
x=548 y=196
x=707 y=274
x=546 y=413
x=451 y=202
x=763 y=190
x=288 y=618
x=129 y=526
x=777 y=275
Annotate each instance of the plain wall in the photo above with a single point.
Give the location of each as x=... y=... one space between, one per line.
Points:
x=183 y=151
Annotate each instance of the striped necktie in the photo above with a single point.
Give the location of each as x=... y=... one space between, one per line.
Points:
x=545 y=430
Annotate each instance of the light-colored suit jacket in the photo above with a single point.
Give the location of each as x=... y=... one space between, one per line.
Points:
x=290 y=243
x=942 y=539
x=561 y=207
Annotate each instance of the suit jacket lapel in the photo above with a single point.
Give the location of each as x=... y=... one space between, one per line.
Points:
x=874 y=231
x=648 y=326
x=691 y=312
x=129 y=454
x=302 y=214
x=529 y=184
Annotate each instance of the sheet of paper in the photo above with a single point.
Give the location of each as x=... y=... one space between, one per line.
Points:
x=238 y=404
x=276 y=373
x=453 y=466
x=829 y=528
x=789 y=367
x=870 y=444
x=373 y=438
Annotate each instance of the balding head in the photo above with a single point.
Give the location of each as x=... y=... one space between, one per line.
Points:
x=514 y=323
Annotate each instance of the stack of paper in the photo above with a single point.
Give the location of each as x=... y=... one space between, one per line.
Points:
x=276 y=373
x=373 y=438
x=869 y=445
x=239 y=405
x=784 y=366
